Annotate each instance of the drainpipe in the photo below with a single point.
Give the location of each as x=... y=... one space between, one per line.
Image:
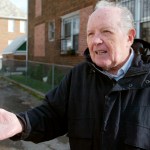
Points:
x=137 y=17
x=27 y=39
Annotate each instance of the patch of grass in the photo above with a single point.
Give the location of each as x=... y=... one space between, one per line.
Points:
x=35 y=84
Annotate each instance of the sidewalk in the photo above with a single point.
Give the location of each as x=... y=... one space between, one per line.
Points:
x=16 y=99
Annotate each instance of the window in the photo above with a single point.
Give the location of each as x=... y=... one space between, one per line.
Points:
x=145 y=10
x=145 y=31
x=70 y=34
x=9 y=42
x=145 y=20
x=141 y=13
x=22 y=26
x=11 y=25
x=51 y=33
x=130 y=4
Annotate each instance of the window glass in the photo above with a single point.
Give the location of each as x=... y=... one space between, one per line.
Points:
x=11 y=25
x=22 y=26
x=51 y=31
x=67 y=28
x=9 y=42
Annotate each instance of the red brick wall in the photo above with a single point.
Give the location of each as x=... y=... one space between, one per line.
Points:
x=84 y=15
x=39 y=40
x=16 y=57
x=53 y=10
x=38 y=8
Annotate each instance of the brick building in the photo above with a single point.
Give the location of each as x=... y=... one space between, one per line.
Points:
x=57 y=28
x=12 y=23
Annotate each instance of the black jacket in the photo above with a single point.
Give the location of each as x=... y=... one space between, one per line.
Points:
x=96 y=112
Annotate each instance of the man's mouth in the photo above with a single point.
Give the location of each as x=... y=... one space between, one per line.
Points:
x=100 y=52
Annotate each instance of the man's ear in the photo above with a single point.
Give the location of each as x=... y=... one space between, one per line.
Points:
x=131 y=36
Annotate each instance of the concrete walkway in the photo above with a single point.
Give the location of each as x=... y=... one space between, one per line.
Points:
x=15 y=99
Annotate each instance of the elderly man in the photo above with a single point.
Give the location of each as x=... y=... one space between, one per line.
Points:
x=102 y=103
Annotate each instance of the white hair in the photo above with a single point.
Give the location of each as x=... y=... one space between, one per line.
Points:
x=126 y=15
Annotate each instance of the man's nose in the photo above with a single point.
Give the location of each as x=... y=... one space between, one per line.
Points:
x=97 y=40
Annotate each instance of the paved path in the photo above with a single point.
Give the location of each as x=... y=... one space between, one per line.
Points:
x=15 y=99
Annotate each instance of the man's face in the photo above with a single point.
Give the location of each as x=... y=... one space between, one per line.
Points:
x=108 y=43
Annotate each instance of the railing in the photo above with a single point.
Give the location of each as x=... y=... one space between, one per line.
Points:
x=39 y=76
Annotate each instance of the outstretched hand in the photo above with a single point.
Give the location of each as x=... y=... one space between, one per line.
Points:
x=9 y=124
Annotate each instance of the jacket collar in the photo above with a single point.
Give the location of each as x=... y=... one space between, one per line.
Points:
x=141 y=61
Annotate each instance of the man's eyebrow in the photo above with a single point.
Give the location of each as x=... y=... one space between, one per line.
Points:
x=108 y=28
x=89 y=31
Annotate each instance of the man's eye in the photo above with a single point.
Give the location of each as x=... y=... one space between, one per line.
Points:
x=90 y=34
x=107 y=31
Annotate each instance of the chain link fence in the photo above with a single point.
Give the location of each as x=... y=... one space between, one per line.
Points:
x=39 y=76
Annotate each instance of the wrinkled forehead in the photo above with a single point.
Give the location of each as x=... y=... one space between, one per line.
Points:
x=105 y=16
x=105 y=13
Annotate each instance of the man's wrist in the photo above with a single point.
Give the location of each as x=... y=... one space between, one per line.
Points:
x=22 y=124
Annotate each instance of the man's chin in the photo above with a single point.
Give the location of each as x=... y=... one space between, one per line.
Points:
x=104 y=66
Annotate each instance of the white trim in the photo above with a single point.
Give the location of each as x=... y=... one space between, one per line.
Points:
x=145 y=19
x=123 y=1
x=70 y=15
x=12 y=17
x=20 y=53
x=51 y=39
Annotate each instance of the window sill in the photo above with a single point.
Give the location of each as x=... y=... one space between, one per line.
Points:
x=69 y=53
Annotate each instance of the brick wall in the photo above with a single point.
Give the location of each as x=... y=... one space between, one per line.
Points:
x=14 y=57
x=53 y=10
x=38 y=8
x=84 y=13
x=39 y=40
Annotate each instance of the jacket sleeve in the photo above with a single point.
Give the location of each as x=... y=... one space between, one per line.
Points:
x=48 y=120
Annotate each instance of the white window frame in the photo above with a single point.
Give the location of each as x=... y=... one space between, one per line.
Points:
x=51 y=30
x=69 y=17
x=11 y=25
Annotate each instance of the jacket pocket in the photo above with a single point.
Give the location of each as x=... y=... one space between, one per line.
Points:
x=137 y=136
x=80 y=133
x=80 y=128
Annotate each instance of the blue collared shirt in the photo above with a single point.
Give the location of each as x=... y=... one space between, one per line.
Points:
x=122 y=71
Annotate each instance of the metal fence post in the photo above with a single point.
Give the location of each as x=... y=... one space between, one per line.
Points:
x=53 y=75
